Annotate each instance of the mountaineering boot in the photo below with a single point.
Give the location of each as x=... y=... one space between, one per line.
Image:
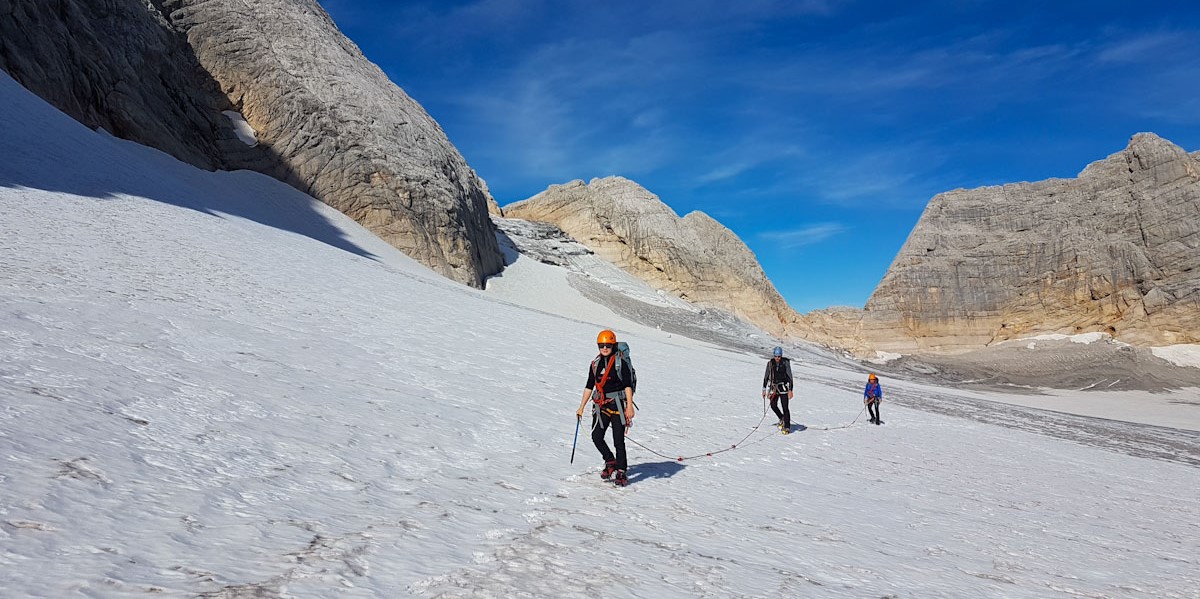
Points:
x=609 y=467
x=878 y=421
x=620 y=479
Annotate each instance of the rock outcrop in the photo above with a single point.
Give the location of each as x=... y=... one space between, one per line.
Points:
x=327 y=121
x=119 y=66
x=694 y=257
x=1115 y=250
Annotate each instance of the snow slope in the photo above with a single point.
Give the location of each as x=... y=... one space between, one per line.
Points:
x=213 y=386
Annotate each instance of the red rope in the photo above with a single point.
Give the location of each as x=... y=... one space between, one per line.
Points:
x=830 y=428
x=709 y=454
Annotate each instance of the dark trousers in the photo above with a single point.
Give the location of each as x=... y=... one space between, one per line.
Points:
x=600 y=423
x=873 y=409
x=781 y=399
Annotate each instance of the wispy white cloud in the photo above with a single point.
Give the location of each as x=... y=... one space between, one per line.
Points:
x=579 y=108
x=1149 y=47
x=801 y=237
x=757 y=150
x=874 y=178
x=724 y=172
x=897 y=76
x=902 y=175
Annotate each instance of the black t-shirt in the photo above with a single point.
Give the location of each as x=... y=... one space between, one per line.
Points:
x=620 y=378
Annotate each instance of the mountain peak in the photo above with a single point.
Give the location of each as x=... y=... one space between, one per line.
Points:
x=695 y=258
x=1111 y=251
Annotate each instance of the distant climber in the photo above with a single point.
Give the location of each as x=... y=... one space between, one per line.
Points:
x=777 y=384
x=872 y=396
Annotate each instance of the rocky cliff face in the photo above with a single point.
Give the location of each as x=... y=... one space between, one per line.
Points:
x=119 y=66
x=1116 y=250
x=327 y=121
x=694 y=257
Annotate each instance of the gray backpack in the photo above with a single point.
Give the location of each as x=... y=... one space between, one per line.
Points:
x=623 y=351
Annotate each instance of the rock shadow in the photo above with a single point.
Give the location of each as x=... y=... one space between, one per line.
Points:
x=149 y=89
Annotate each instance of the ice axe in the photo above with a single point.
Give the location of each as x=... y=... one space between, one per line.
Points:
x=573 y=443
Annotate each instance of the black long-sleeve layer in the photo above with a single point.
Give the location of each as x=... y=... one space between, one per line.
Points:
x=778 y=372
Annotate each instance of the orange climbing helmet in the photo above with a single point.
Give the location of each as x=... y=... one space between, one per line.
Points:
x=872 y=377
x=606 y=336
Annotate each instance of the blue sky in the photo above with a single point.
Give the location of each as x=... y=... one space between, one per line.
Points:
x=817 y=130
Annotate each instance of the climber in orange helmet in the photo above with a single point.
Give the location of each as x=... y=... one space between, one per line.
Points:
x=872 y=396
x=609 y=387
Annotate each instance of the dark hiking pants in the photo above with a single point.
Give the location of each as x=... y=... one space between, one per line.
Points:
x=601 y=421
x=781 y=399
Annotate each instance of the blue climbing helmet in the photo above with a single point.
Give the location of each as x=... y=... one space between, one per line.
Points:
x=777 y=352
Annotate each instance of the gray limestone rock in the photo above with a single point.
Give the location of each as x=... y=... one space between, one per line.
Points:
x=694 y=257
x=626 y=295
x=327 y=121
x=343 y=132
x=1115 y=250
x=117 y=65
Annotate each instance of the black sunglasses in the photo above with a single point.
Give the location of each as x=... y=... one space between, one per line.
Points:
x=605 y=345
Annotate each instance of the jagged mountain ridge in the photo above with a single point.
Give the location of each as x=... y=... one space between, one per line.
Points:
x=694 y=257
x=1115 y=250
x=628 y=296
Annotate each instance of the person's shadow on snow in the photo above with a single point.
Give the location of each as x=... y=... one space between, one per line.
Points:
x=639 y=472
